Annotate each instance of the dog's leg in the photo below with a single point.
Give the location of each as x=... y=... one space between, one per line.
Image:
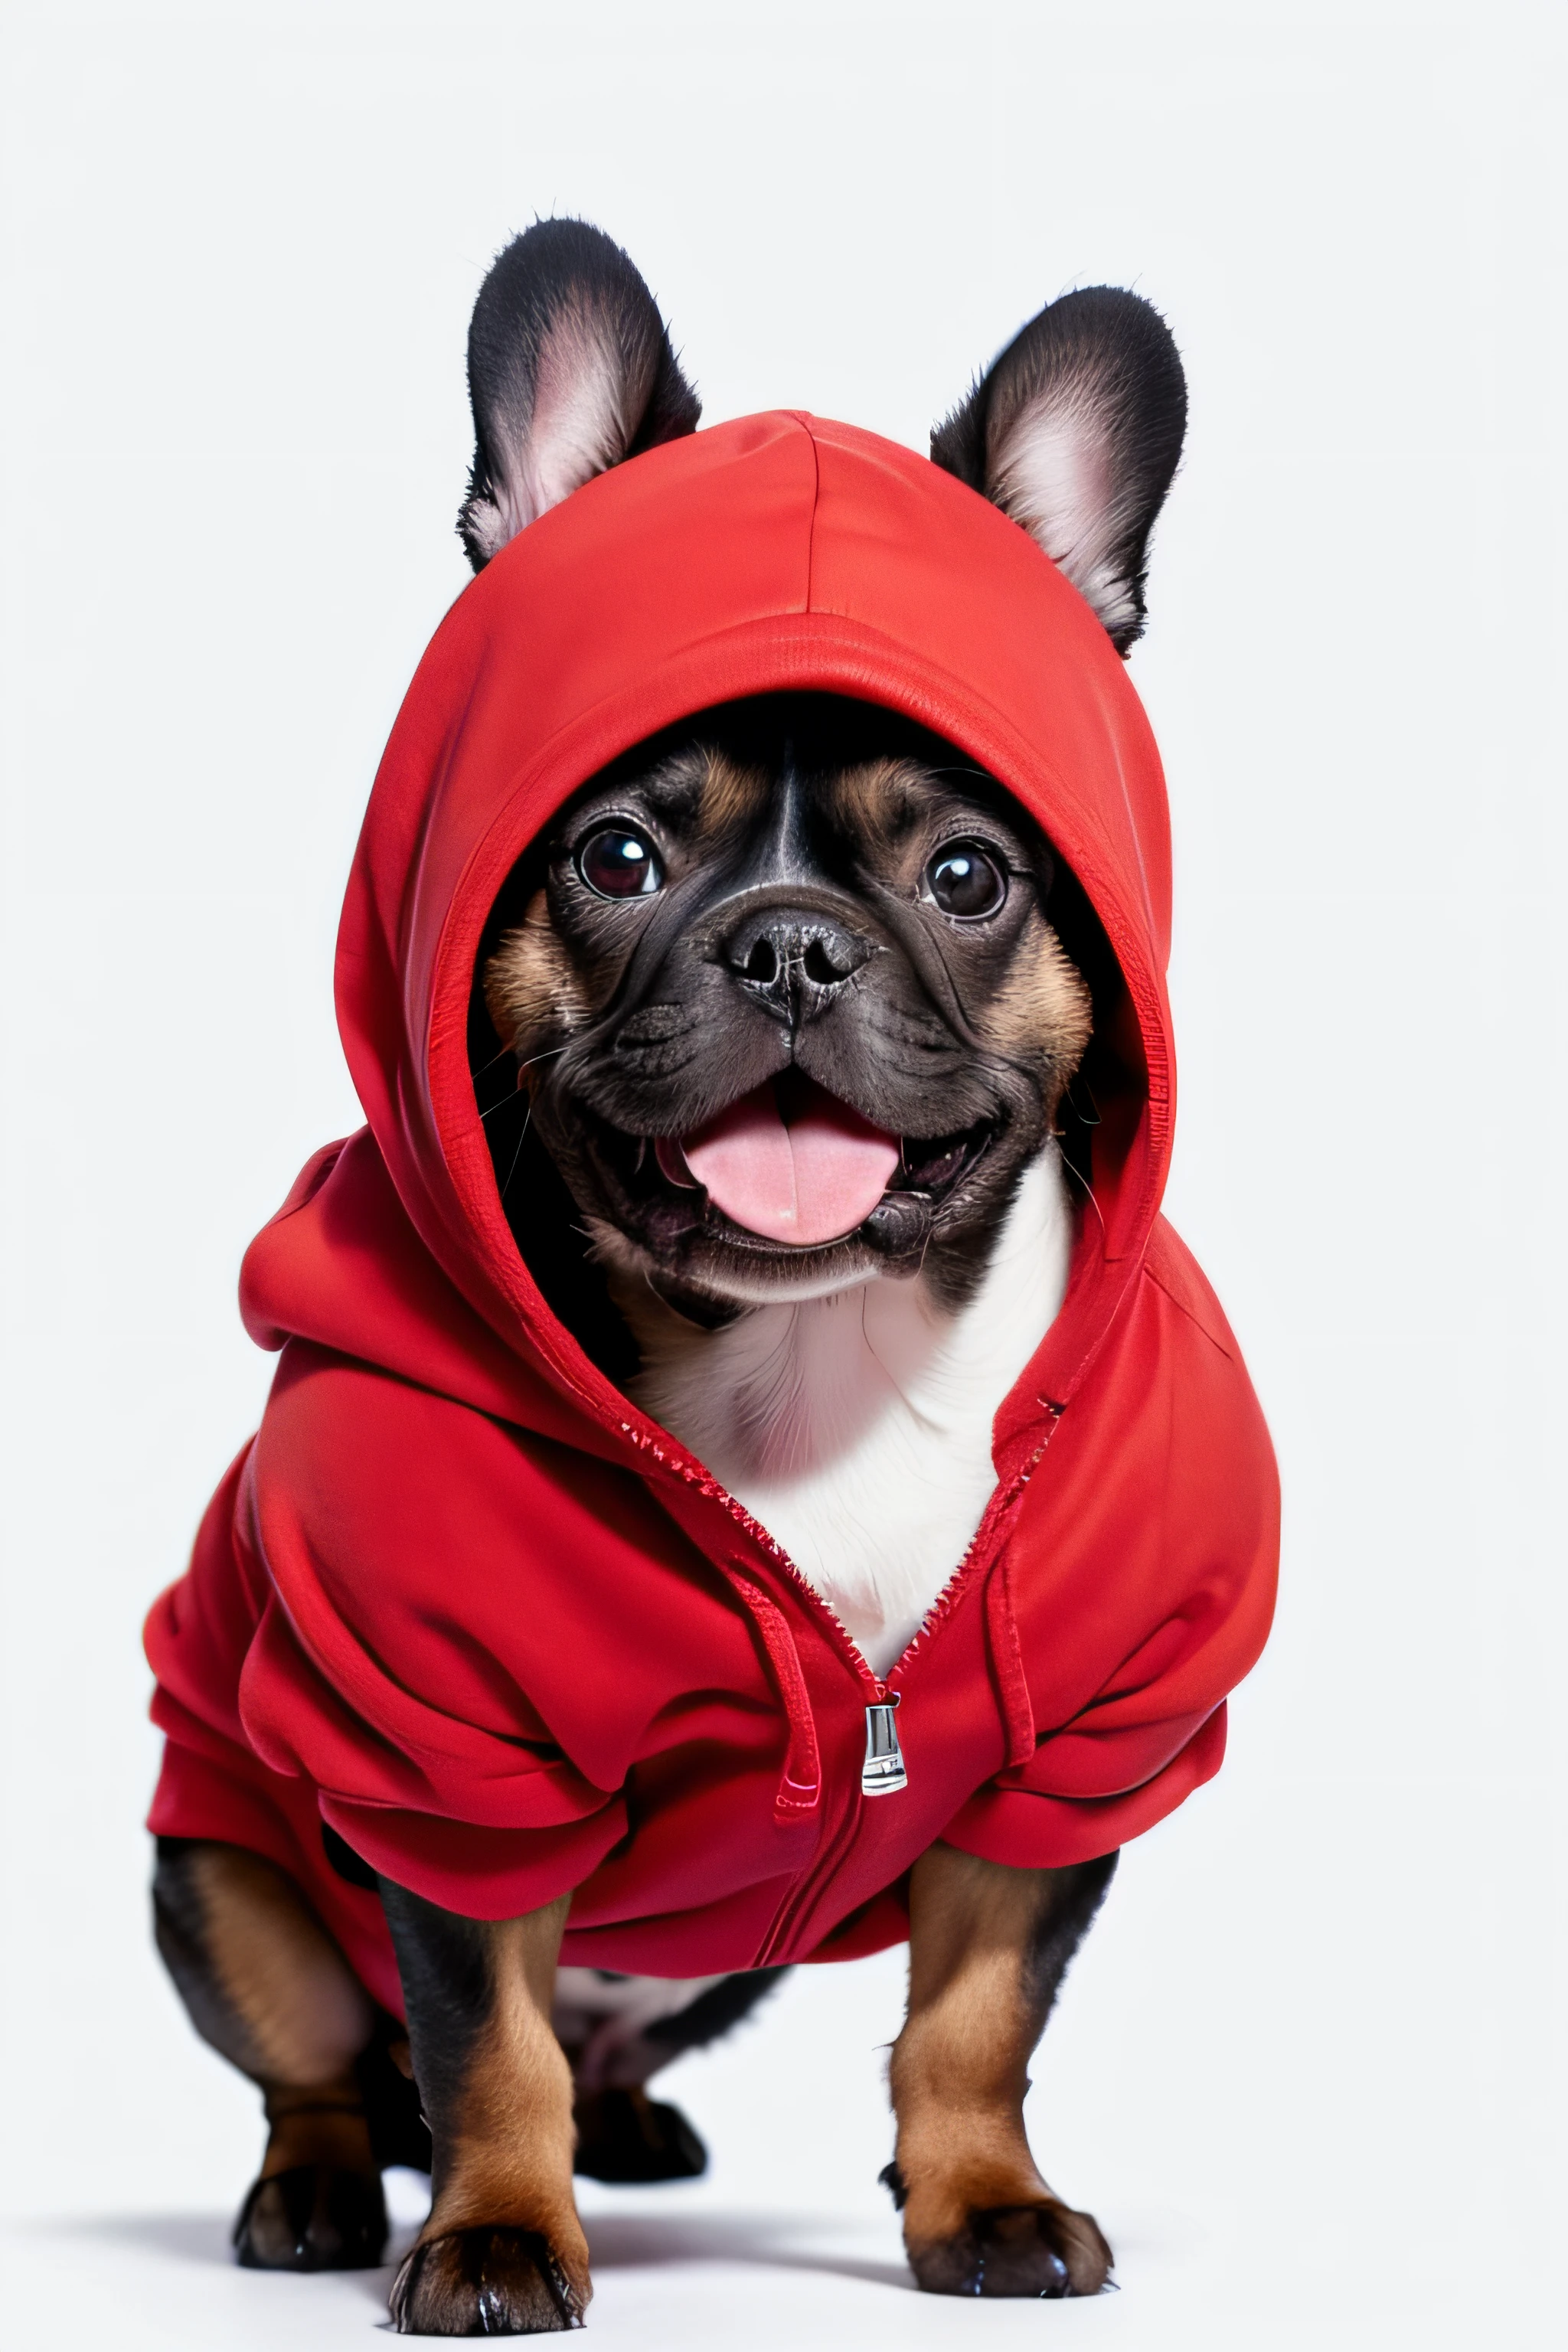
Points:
x=503 y=2251
x=988 y=1948
x=266 y=1985
x=622 y=2134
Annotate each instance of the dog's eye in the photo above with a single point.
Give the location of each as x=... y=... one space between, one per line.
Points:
x=617 y=864
x=966 y=881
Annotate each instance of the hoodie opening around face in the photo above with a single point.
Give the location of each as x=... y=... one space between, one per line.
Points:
x=1102 y=1100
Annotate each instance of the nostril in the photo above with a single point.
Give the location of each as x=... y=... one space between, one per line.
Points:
x=819 y=965
x=763 y=963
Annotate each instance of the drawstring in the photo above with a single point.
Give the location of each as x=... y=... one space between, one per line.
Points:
x=1007 y=1664
x=1002 y=1625
x=800 y=1784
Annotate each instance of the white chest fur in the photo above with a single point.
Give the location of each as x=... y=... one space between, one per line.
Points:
x=857 y=1428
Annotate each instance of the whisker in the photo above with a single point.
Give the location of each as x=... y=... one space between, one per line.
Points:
x=516 y=1156
x=521 y=1067
x=1088 y=1190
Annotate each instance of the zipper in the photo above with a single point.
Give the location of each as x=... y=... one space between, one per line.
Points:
x=884 y=1771
x=692 y=1473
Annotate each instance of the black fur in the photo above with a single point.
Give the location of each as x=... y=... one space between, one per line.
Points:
x=540 y=277
x=693 y=1021
x=179 y=1927
x=449 y=1991
x=345 y=1863
x=624 y=2136
x=1107 y=361
x=714 y=2012
x=546 y=1222
x=398 y=2131
x=1076 y=1894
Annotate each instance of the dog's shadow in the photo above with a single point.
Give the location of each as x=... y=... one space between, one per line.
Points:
x=616 y=2242
x=206 y=2239
x=636 y=2241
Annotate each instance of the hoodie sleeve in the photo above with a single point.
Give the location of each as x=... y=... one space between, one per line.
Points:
x=1160 y=1541
x=465 y=1639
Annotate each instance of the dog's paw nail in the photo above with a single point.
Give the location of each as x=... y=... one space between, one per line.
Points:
x=1041 y=2251
x=315 y=2217
x=484 y=2282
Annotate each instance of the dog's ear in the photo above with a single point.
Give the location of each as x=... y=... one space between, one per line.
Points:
x=1075 y=432
x=570 y=369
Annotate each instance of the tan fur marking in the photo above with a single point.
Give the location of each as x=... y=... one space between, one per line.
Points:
x=323 y=2132
x=870 y=799
x=532 y=990
x=304 y=2011
x=1043 y=1005
x=959 y=2068
x=303 y=2015
x=732 y=796
x=509 y=2159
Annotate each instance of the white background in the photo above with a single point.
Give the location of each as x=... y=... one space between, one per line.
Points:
x=1304 y=2071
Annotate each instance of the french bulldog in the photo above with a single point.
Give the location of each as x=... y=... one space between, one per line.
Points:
x=783 y=1036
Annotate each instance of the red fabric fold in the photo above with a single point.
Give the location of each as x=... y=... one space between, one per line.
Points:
x=1007 y=1665
x=800 y=1782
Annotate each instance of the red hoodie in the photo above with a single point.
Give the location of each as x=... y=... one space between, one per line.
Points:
x=460 y=1599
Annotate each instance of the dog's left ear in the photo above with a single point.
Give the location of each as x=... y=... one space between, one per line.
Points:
x=570 y=369
x=1075 y=432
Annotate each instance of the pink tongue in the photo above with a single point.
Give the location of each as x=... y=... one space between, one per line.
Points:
x=810 y=1182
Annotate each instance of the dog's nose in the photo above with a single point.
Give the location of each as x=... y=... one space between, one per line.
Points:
x=793 y=963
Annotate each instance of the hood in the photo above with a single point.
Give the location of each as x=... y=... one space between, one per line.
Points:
x=778 y=553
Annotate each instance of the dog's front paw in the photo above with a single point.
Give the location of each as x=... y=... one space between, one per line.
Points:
x=314 y=2217
x=490 y=2280
x=1038 y=2247
x=624 y=2136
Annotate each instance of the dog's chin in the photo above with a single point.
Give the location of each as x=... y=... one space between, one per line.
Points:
x=654 y=1228
x=714 y=1284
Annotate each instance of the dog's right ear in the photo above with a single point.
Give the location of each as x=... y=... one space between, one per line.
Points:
x=570 y=369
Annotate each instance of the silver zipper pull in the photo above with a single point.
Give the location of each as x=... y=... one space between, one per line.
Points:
x=883 y=1774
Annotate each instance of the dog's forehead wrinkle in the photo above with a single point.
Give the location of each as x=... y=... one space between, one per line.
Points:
x=925 y=955
x=661 y=921
x=671 y=789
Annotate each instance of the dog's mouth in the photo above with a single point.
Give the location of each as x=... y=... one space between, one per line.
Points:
x=788 y=1165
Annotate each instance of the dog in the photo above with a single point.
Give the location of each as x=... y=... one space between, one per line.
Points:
x=790 y=1034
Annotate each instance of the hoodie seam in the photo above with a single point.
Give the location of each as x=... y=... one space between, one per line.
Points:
x=811 y=528
x=1183 y=1309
